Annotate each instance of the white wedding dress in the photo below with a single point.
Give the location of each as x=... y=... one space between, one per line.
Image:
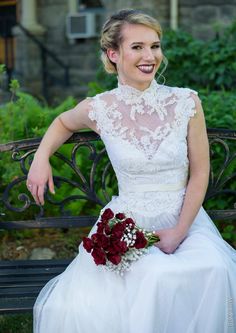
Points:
x=192 y=290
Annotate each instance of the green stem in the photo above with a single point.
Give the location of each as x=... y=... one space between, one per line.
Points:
x=152 y=239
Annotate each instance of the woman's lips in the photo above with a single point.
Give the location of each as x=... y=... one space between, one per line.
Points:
x=147 y=69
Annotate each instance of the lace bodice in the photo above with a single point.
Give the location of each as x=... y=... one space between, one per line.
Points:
x=145 y=136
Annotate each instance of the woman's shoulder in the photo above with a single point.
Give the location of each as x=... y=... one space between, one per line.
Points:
x=187 y=99
x=104 y=95
x=179 y=91
x=182 y=94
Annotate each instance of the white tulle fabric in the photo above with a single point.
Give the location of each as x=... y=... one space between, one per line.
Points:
x=192 y=290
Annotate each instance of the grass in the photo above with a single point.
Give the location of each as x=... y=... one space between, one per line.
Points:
x=18 y=245
x=20 y=323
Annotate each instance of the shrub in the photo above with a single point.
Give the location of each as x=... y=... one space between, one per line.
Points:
x=192 y=63
x=208 y=67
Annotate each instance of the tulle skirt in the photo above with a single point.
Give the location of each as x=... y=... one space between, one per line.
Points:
x=192 y=290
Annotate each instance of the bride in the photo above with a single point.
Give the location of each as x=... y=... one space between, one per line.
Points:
x=156 y=139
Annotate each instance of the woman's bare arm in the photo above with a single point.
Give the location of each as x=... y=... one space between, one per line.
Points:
x=59 y=131
x=62 y=127
x=198 y=153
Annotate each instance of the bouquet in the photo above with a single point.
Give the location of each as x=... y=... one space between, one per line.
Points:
x=118 y=242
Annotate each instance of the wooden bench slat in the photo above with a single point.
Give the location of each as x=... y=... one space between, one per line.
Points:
x=20 y=292
x=222 y=214
x=22 y=280
x=16 y=305
x=51 y=222
x=15 y=264
x=30 y=272
x=17 y=284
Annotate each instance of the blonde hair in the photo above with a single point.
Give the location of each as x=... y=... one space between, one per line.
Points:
x=111 y=35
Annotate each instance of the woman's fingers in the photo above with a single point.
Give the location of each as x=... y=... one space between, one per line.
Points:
x=34 y=192
x=29 y=186
x=37 y=192
x=51 y=185
x=157 y=244
x=39 y=175
x=41 y=191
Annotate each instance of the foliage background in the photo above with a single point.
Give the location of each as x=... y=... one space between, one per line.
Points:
x=208 y=67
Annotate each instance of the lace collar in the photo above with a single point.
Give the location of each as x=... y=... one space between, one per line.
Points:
x=129 y=93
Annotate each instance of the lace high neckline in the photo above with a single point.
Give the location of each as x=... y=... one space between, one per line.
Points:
x=129 y=91
x=142 y=119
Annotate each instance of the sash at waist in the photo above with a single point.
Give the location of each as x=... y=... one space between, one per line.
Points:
x=152 y=187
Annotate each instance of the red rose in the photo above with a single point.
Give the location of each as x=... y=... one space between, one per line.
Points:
x=100 y=240
x=118 y=231
x=118 y=227
x=114 y=258
x=94 y=238
x=123 y=247
x=107 y=215
x=107 y=229
x=120 y=216
x=117 y=247
x=103 y=241
x=141 y=241
x=129 y=221
x=88 y=244
x=117 y=235
x=114 y=247
x=99 y=256
x=100 y=227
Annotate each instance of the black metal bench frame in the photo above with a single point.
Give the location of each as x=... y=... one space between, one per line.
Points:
x=21 y=280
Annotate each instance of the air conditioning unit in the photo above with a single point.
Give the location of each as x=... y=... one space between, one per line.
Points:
x=81 y=25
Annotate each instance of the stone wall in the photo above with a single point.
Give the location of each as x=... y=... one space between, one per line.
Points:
x=156 y=8
x=203 y=18
x=200 y=17
x=80 y=55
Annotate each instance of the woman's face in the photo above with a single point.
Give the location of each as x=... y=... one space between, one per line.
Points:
x=139 y=56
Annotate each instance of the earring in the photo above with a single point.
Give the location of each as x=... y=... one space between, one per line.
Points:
x=160 y=75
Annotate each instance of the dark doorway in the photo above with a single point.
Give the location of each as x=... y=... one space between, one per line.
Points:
x=7 y=42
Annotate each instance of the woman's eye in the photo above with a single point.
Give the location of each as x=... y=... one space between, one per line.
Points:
x=136 y=47
x=139 y=47
x=156 y=46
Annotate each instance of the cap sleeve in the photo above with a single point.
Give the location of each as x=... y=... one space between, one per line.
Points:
x=192 y=110
x=97 y=111
x=186 y=107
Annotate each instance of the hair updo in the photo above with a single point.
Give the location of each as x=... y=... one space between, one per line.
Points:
x=111 y=35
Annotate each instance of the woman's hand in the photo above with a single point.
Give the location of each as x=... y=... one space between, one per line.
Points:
x=169 y=239
x=40 y=174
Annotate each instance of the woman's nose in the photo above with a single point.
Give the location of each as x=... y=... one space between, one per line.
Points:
x=148 y=54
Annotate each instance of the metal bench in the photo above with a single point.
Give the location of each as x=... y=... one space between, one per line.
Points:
x=21 y=280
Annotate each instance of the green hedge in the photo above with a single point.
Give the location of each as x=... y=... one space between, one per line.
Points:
x=208 y=67
x=193 y=63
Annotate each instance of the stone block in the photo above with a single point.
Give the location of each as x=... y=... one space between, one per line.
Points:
x=204 y=32
x=47 y=13
x=42 y=253
x=204 y=15
x=43 y=3
x=194 y=3
x=227 y=13
x=89 y=62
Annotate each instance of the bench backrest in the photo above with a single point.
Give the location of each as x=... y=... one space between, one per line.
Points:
x=86 y=171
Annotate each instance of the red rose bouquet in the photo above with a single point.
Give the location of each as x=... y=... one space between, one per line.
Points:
x=118 y=242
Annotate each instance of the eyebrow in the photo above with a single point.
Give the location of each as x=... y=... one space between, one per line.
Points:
x=141 y=43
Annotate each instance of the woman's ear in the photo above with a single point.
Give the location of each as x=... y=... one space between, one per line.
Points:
x=112 y=55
